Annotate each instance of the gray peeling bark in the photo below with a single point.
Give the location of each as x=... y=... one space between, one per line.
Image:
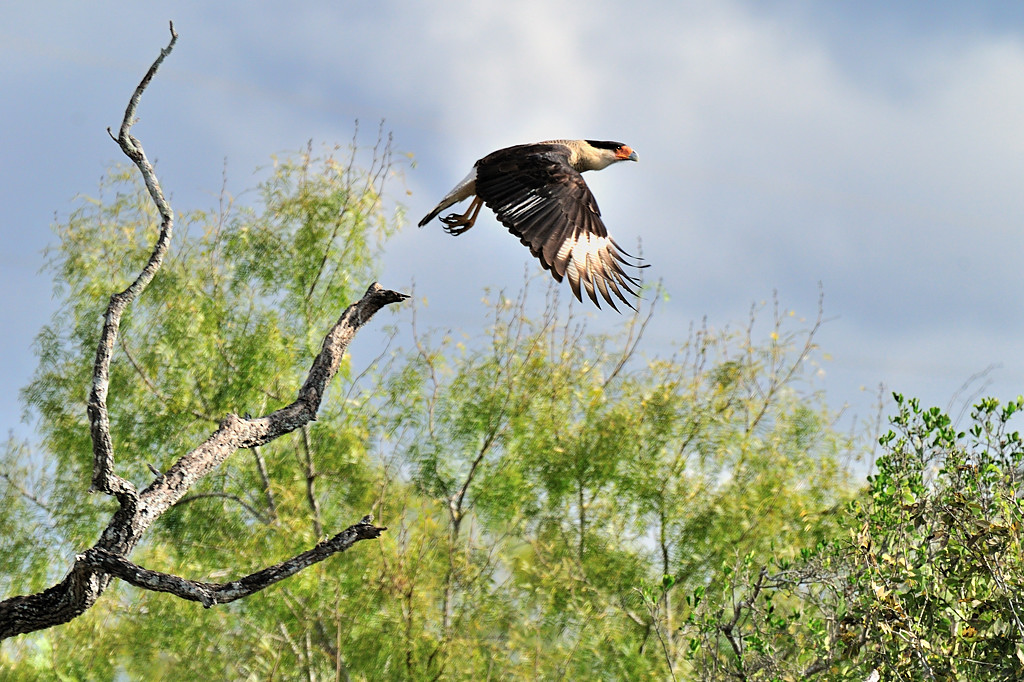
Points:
x=93 y=569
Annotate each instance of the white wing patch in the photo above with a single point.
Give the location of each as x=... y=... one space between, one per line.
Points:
x=590 y=261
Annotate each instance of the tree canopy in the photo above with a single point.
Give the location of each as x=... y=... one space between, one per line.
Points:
x=551 y=494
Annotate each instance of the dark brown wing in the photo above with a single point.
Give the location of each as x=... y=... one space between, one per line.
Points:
x=544 y=201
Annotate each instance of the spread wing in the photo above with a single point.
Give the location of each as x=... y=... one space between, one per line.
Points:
x=544 y=201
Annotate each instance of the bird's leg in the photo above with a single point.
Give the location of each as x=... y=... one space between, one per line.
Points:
x=456 y=224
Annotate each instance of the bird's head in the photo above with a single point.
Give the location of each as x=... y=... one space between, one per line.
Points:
x=603 y=153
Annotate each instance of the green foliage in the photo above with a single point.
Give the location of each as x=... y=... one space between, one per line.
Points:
x=939 y=572
x=28 y=538
x=558 y=504
x=563 y=474
x=923 y=582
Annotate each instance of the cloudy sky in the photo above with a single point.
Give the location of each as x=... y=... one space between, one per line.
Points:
x=874 y=147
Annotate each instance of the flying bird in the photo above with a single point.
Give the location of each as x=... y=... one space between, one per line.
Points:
x=537 y=192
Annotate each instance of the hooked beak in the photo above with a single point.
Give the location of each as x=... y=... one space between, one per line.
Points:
x=625 y=153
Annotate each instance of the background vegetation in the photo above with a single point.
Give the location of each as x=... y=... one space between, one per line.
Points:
x=560 y=505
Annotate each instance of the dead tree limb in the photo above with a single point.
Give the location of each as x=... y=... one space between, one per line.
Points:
x=137 y=511
x=221 y=593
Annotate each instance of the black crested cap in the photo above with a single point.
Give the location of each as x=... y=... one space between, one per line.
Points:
x=605 y=144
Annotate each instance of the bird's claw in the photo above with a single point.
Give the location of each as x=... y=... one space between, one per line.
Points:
x=453 y=222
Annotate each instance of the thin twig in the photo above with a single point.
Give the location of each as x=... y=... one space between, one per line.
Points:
x=25 y=493
x=226 y=496
x=311 y=475
x=268 y=494
x=152 y=387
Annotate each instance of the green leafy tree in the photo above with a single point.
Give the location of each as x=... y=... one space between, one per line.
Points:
x=563 y=475
x=539 y=485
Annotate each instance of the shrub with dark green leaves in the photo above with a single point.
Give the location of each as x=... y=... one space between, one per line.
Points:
x=923 y=582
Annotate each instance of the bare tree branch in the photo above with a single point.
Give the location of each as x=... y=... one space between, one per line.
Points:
x=93 y=569
x=209 y=594
x=103 y=478
x=85 y=582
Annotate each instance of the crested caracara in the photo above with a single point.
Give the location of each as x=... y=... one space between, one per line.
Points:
x=537 y=192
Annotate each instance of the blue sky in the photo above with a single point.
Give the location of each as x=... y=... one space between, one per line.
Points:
x=876 y=148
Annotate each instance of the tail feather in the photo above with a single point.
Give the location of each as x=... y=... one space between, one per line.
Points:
x=430 y=216
x=461 y=191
